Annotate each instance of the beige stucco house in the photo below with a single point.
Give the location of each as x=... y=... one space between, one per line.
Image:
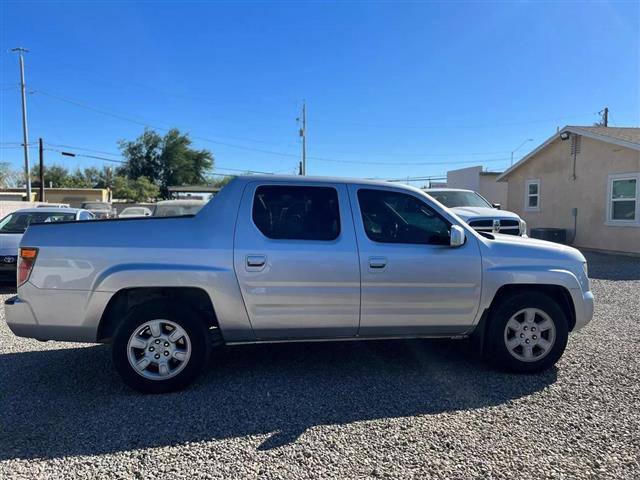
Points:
x=585 y=180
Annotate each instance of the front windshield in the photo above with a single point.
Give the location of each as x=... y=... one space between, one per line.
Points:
x=174 y=210
x=18 y=222
x=454 y=198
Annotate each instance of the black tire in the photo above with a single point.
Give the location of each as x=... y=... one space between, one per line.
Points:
x=497 y=349
x=189 y=320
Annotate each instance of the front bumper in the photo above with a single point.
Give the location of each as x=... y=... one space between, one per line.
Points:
x=583 y=304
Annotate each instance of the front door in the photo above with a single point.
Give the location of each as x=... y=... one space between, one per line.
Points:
x=296 y=260
x=413 y=282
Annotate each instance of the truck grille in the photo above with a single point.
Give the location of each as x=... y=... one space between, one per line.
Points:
x=507 y=226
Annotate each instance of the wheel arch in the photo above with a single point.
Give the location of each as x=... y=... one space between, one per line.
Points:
x=559 y=293
x=127 y=298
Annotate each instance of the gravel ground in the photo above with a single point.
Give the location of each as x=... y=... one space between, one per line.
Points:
x=404 y=409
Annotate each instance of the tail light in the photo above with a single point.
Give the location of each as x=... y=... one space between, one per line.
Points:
x=26 y=260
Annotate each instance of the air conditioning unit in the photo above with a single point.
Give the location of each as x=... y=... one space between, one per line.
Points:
x=558 y=235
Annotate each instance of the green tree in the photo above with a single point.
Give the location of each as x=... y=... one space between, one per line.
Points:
x=165 y=160
x=122 y=189
x=55 y=175
x=142 y=156
x=218 y=181
x=144 y=190
x=139 y=190
x=10 y=177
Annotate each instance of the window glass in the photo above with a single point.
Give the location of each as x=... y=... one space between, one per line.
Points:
x=624 y=188
x=532 y=197
x=623 y=199
x=297 y=213
x=19 y=221
x=625 y=210
x=393 y=217
x=454 y=198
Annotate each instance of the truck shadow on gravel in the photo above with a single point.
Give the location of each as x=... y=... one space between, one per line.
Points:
x=68 y=402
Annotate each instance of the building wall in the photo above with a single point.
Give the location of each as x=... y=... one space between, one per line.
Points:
x=9 y=206
x=472 y=178
x=74 y=196
x=495 y=192
x=588 y=192
x=468 y=178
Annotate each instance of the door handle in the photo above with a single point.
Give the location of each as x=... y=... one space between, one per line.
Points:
x=377 y=263
x=256 y=261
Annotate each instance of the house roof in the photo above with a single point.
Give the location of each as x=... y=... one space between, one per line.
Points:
x=623 y=136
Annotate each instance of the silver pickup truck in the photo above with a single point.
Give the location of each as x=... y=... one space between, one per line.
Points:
x=274 y=259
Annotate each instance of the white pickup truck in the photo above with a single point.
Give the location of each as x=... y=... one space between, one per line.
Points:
x=273 y=259
x=478 y=212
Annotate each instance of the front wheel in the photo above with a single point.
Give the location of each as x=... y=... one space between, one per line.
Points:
x=158 y=350
x=527 y=333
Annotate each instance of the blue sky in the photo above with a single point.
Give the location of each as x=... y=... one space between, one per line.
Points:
x=392 y=90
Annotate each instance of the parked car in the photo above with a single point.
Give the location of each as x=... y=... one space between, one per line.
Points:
x=13 y=226
x=53 y=205
x=130 y=212
x=478 y=212
x=101 y=210
x=273 y=259
x=176 y=208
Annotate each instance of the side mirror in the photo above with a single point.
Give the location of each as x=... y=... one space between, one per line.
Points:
x=496 y=205
x=457 y=236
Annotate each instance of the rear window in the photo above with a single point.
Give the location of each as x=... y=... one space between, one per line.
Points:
x=297 y=213
x=18 y=222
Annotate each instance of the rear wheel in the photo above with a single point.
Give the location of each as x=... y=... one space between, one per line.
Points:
x=158 y=350
x=527 y=333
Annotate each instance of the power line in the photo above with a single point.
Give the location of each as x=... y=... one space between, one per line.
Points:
x=140 y=120
x=95 y=157
x=81 y=155
x=145 y=123
x=84 y=149
x=465 y=126
x=357 y=162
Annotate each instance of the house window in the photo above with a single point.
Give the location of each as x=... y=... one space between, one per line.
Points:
x=624 y=200
x=532 y=195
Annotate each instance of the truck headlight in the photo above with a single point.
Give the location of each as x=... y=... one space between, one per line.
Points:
x=523 y=227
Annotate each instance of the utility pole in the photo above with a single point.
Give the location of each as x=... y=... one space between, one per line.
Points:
x=41 y=172
x=605 y=117
x=25 y=132
x=303 y=134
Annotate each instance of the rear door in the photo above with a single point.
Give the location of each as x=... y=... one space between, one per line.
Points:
x=413 y=282
x=296 y=260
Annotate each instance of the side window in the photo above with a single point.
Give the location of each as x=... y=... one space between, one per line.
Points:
x=624 y=199
x=393 y=217
x=532 y=195
x=297 y=213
